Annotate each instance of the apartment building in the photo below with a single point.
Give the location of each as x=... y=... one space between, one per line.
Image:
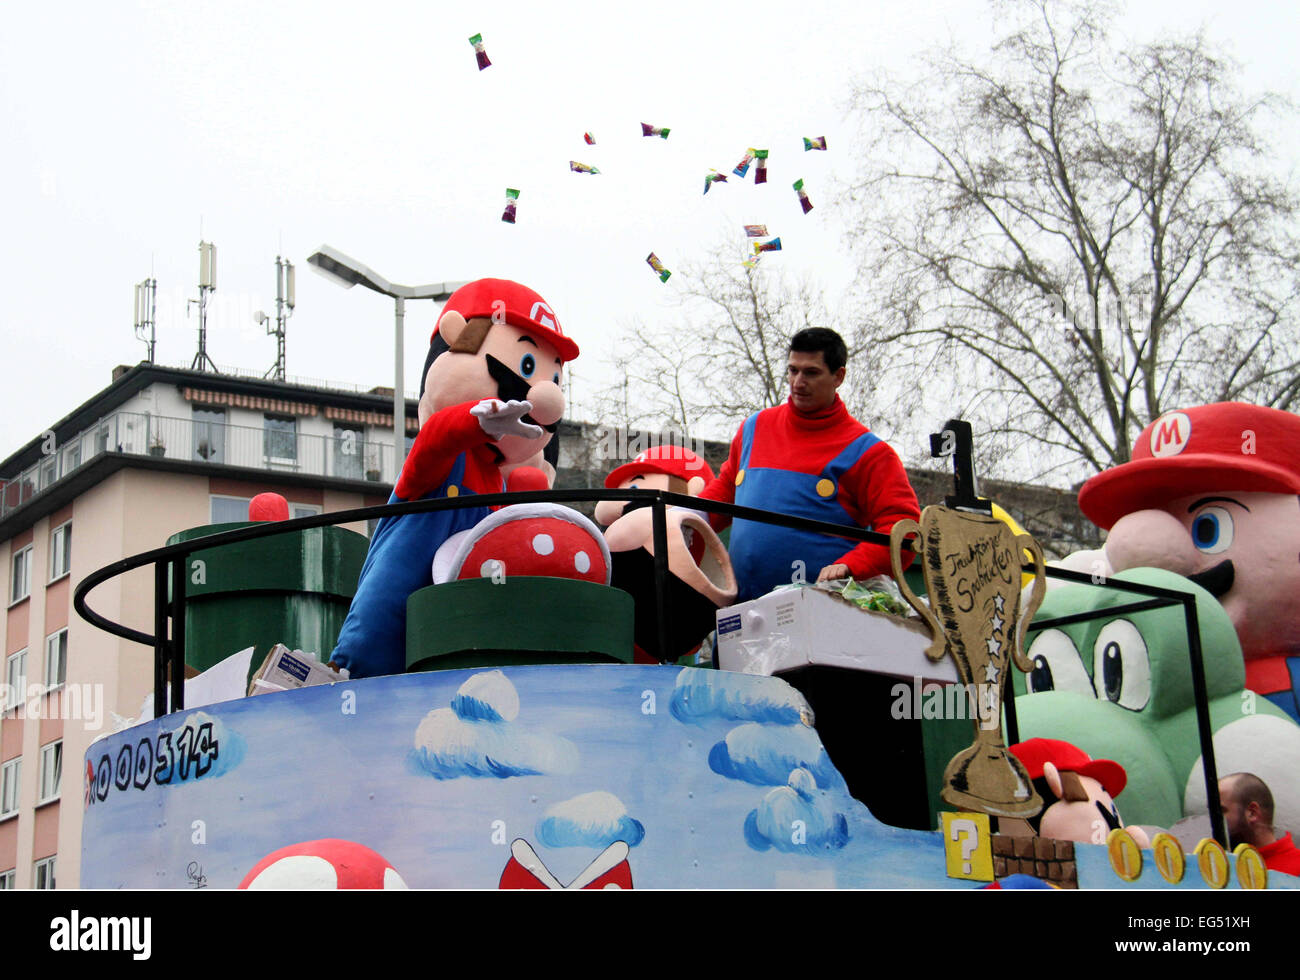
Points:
x=159 y=450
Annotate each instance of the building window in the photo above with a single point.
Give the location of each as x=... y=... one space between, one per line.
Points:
x=49 y=471
x=16 y=678
x=210 y=434
x=280 y=437
x=303 y=510
x=51 y=770
x=61 y=551
x=56 y=659
x=230 y=510
x=7 y=880
x=349 y=445
x=20 y=583
x=43 y=874
x=10 y=774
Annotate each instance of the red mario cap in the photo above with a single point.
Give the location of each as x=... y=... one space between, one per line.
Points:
x=672 y=460
x=520 y=305
x=1034 y=752
x=1221 y=447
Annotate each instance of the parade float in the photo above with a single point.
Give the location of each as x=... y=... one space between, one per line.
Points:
x=495 y=693
x=532 y=752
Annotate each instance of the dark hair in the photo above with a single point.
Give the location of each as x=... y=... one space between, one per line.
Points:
x=1247 y=788
x=822 y=340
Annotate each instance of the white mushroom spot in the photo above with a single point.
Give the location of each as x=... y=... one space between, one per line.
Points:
x=581 y=562
x=543 y=544
x=299 y=872
x=493 y=566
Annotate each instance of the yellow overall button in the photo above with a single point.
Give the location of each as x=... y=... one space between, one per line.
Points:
x=825 y=487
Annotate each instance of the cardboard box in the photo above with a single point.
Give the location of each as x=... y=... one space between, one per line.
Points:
x=795 y=628
x=285 y=670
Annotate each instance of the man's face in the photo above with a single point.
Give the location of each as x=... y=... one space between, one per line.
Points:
x=812 y=384
x=1234 y=815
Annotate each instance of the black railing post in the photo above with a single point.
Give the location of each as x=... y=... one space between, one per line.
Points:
x=1201 y=694
x=179 y=568
x=660 y=537
x=159 y=639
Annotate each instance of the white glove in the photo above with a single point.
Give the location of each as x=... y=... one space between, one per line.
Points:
x=499 y=419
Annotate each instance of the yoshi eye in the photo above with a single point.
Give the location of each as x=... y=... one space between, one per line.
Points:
x=1121 y=665
x=1057 y=665
x=1212 y=530
x=527 y=365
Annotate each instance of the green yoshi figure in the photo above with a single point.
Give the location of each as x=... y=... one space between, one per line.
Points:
x=1120 y=687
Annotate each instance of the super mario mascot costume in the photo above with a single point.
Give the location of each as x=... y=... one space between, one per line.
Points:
x=490 y=401
x=826 y=466
x=1213 y=493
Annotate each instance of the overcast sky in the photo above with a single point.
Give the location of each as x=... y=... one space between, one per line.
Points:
x=132 y=129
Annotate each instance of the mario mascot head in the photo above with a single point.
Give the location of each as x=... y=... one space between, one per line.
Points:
x=499 y=339
x=1211 y=493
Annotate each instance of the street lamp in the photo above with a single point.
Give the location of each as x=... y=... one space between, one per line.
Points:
x=348 y=272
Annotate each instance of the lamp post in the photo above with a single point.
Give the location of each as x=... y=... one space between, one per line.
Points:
x=348 y=272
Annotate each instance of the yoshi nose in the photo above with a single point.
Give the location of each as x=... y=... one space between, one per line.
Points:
x=548 y=402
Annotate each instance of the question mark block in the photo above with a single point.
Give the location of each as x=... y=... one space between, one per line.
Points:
x=968 y=846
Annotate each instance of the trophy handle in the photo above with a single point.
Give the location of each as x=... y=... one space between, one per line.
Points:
x=1027 y=543
x=939 y=646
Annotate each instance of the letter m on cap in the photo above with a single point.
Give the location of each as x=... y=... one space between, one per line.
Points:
x=1170 y=434
x=543 y=315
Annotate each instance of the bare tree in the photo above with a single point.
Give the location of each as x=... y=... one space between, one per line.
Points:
x=1063 y=240
x=723 y=358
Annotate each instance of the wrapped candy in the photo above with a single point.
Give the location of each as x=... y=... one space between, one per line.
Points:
x=742 y=168
x=479 y=52
x=816 y=143
x=652 y=260
x=760 y=171
x=660 y=131
x=755 y=231
x=582 y=168
x=773 y=246
x=803 y=195
x=712 y=178
x=512 y=196
x=750 y=263
x=591 y=140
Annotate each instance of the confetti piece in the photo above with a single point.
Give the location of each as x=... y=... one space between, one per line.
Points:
x=755 y=231
x=760 y=172
x=512 y=195
x=648 y=130
x=591 y=140
x=816 y=143
x=713 y=178
x=803 y=195
x=773 y=246
x=742 y=168
x=479 y=52
x=582 y=168
x=653 y=261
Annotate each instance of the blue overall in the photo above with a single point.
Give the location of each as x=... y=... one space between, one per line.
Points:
x=763 y=555
x=372 y=641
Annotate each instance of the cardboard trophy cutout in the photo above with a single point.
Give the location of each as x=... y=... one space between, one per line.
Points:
x=972 y=565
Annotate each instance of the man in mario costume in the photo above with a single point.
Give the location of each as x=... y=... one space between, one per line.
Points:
x=810 y=458
x=1213 y=493
x=490 y=401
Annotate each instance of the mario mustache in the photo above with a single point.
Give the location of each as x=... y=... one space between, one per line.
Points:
x=511 y=387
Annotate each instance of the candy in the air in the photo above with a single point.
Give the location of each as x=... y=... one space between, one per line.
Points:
x=816 y=143
x=760 y=166
x=755 y=231
x=660 y=131
x=803 y=195
x=653 y=261
x=512 y=196
x=742 y=168
x=582 y=168
x=479 y=52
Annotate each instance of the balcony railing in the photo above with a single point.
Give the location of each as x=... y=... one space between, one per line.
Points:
x=345 y=456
